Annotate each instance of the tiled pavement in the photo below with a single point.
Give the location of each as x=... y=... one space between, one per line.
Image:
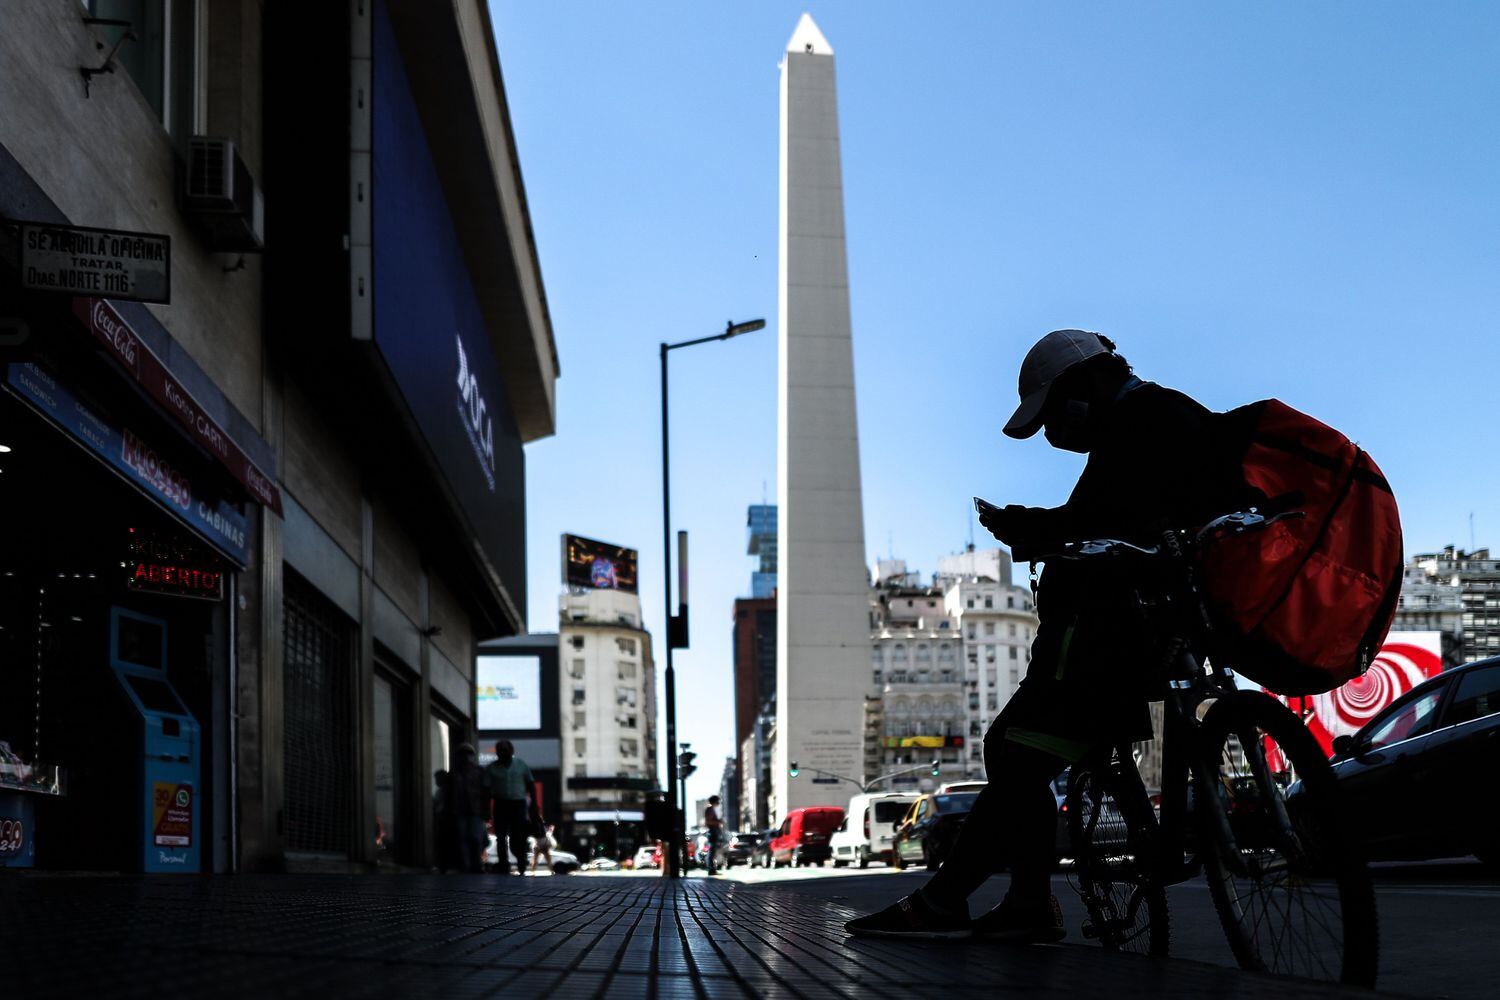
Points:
x=471 y=936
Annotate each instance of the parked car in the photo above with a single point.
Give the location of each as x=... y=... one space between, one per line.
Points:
x=645 y=857
x=930 y=828
x=760 y=854
x=802 y=838
x=1416 y=776
x=563 y=862
x=962 y=786
x=868 y=827
x=737 y=851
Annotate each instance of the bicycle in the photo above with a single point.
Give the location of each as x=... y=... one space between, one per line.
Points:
x=1248 y=799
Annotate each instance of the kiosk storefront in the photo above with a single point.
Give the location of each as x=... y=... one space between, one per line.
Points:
x=119 y=544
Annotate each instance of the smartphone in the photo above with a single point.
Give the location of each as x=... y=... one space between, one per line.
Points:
x=982 y=506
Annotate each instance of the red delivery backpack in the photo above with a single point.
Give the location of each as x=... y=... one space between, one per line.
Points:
x=1307 y=601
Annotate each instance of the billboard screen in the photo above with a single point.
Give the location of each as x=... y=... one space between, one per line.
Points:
x=599 y=565
x=1406 y=660
x=509 y=692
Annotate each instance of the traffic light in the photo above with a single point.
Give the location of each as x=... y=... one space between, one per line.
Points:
x=685 y=765
x=794 y=769
x=937 y=766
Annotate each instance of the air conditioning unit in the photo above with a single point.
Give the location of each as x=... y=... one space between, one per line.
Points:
x=222 y=198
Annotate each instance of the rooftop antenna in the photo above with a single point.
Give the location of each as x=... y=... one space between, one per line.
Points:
x=969 y=521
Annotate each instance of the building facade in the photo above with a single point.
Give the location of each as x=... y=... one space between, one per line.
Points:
x=916 y=658
x=295 y=478
x=608 y=701
x=760 y=541
x=1456 y=593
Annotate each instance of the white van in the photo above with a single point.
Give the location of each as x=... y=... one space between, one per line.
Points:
x=869 y=823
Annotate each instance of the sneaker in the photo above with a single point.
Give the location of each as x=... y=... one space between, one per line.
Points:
x=912 y=918
x=1023 y=923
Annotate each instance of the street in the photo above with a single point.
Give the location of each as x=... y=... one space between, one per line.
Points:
x=574 y=936
x=1436 y=919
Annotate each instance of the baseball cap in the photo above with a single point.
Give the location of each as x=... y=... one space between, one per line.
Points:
x=1048 y=358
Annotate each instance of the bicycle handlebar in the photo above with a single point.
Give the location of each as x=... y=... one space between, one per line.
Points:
x=1237 y=522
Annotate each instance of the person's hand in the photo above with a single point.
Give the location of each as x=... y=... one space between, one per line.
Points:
x=1007 y=523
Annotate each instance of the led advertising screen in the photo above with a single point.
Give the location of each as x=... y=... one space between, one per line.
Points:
x=510 y=692
x=599 y=565
x=1406 y=660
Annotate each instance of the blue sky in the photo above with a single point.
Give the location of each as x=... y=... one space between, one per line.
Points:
x=1278 y=199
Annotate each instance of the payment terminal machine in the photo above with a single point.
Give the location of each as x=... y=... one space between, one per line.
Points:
x=167 y=776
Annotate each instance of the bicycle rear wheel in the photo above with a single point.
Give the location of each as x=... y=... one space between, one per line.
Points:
x=1113 y=832
x=1293 y=893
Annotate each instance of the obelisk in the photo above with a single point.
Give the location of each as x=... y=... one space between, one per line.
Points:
x=823 y=622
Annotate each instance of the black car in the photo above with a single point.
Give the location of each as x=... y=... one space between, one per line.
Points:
x=1418 y=777
x=739 y=848
x=760 y=854
x=930 y=829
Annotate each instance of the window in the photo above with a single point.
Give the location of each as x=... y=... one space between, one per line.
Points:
x=578 y=720
x=1478 y=695
x=1010 y=602
x=577 y=669
x=578 y=696
x=1012 y=631
x=989 y=654
x=625 y=696
x=625 y=669
x=1412 y=719
x=971 y=632
x=165 y=57
x=971 y=603
x=577 y=641
x=877 y=675
x=626 y=646
x=1013 y=654
x=630 y=722
x=992 y=703
x=989 y=601
x=630 y=748
x=579 y=746
x=989 y=628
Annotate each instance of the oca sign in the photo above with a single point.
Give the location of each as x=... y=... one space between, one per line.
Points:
x=475 y=413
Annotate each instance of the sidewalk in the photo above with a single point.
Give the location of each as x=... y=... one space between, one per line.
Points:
x=473 y=936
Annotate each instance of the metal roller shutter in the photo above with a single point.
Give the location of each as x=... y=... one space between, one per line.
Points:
x=317 y=699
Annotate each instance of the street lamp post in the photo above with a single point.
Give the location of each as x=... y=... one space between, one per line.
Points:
x=677 y=624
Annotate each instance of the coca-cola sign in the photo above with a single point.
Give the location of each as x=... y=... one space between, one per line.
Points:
x=127 y=348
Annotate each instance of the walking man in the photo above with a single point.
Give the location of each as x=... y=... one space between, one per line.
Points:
x=715 y=827
x=465 y=801
x=508 y=784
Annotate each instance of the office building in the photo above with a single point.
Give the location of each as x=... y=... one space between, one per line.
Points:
x=290 y=417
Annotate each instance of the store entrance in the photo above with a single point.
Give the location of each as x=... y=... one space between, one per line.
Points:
x=113 y=667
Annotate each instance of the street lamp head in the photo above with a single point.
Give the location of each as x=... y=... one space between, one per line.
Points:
x=735 y=329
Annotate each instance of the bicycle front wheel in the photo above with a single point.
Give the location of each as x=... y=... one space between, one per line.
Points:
x=1286 y=873
x=1113 y=831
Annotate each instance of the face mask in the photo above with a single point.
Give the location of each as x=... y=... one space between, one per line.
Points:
x=1070 y=430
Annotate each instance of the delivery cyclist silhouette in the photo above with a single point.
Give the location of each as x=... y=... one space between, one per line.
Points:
x=1152 y=463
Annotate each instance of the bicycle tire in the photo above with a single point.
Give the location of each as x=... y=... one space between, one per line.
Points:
x=1113 y=832
x=1322 y=854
